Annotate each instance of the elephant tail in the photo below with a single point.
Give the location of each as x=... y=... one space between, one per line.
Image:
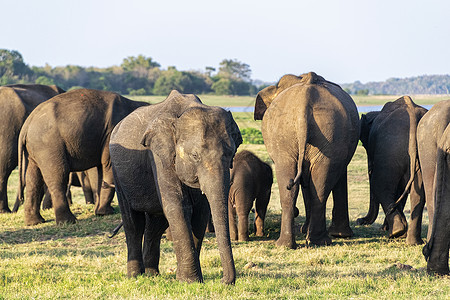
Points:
x=302 y=141
x=116 y=230
x=412 y=150
x=22 y=162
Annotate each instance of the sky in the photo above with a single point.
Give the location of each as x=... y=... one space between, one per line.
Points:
x=341 y=40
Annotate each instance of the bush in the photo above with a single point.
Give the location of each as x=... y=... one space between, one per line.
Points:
x=251 y=136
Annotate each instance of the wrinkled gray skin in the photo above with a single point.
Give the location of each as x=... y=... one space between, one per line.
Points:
x=16 y=103
x=310 y=128
x=69 y=133
x=164 y=157
x=389 y=137
x=251 y=181
x=429 y=131
x=436 y=251
x=87 y=180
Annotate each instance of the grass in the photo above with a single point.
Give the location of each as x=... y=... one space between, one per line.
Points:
x=79 y=261
x=229 y=101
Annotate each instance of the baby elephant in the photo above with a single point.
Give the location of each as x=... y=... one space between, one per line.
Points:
x=250 y=179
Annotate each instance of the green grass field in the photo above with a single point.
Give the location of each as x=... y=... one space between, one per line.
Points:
x=228 y=101
x=79 y=261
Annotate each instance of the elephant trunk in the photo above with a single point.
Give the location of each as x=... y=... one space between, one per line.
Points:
x=217 y=191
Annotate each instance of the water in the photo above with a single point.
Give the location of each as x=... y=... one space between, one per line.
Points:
x=361 y=109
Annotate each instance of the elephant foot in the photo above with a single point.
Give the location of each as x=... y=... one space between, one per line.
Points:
x=363 y=221
x=152 y=271
x=399 y=226
x=287 y=242
x=5 y=210
x=325 y=241
x=46 y=206
x=259 y=233
x=304 y=228
x=67 y=218
x=438 y=270
x=244 y=238
x=189 y=277
x=413 y=240
x=133 y=268
x=104 y=210
x=343 y=232
x=31 y=220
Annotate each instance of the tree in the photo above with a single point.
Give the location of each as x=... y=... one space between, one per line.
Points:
x=139 y=65
x=44 y=80
x=234 y=69
x=12 y=65
x=171 y=79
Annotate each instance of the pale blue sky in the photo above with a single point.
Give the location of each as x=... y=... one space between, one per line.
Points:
x=343 y=41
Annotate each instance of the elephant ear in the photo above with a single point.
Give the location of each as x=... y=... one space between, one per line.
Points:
x=366 y=125
x=263 y=101
x=235 y=131
x=159 y=136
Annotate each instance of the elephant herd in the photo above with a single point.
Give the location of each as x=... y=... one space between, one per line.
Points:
x=174 y=164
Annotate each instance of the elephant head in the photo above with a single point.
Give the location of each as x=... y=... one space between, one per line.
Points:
x=196 y=144
x=366 y=125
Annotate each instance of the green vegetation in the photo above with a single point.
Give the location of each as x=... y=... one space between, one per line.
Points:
x=79 y=261
x=137 y=75
x=426 y=84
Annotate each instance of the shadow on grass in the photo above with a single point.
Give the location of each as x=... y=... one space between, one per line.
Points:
x=84 y=227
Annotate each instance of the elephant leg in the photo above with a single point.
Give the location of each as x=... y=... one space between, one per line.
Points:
x=287 y=170
x=4 y=175
x=86 y=186
x=372 y=214
x=417 y=200
x=155 y=226
x=47 y=201
x=244 y=203
x=200 y=217
x=56 y=176
x=103 y=206
x=177 y=215
x=261 y=203
x=34 y=193
x=322 y=180
x=8 y=162
x=340 y=224
x=307 y=202
x=134 y=226
x=232 y=220
x=91 y=189
x=385 y=190
x=317 y=233
x=438 y=259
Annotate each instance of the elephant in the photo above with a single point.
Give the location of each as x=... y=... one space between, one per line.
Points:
x=16 y=103
x=251 y=181
x=87 y=180
x=389 y=137
x=171 y=164
x=310 y=127
x=436 y=251
x=429 y=131
x=69 y=133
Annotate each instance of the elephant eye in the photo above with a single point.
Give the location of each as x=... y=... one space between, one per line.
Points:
x=195 y=156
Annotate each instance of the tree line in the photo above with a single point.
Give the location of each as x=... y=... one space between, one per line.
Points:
x=426 y=84
x=136 y=75
x=141 y=75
